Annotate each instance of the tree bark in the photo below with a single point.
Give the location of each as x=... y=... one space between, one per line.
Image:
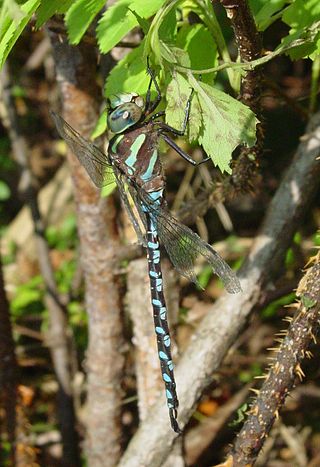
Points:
x=76 y=75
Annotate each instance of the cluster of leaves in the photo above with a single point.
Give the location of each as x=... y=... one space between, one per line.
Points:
x=218 y=121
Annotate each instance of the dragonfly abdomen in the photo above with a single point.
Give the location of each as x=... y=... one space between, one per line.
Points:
x=161 y=321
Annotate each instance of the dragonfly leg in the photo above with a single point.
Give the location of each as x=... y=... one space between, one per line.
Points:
x=181 y=152
x=151 y=106
x=167 y=128
x=155 y=116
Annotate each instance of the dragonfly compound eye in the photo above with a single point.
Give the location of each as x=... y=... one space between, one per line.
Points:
x=124 y=116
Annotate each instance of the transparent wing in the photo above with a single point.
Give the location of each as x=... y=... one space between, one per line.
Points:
x=90 y=157
x=97 y=165
x=183 y=246
x=126 y=203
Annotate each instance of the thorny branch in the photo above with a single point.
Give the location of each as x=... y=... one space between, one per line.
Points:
x=219 y=329
x=284 y=371
x=244 y=173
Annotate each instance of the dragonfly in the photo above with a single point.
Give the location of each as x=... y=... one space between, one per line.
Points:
x=133 y=160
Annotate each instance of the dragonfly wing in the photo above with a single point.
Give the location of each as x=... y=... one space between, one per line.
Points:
x=183 y=246
x=90 y=157
x=127 y=205
x=137 y=202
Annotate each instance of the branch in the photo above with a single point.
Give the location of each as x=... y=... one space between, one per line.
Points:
x=99 y=241
x=58 y=341
x=220 y=328
x=245 y=168
x=284 y=371
x=8 y=373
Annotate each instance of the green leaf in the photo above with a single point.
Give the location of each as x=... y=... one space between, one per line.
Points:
x=4 y=191
x=241 y=415
x=129 y=75
x=219 y=122
x=168 y=27
x=101 y=125
x=192 y=39
x=80 y=16
x=204 y=277
x=12 y=29
x=268 y=12
x=303 y=17
x=143 y=23
x=273 y=307
x=48 y=8
x=118 y=20
x=178 y=92
x=310 y=46
x=307 y=301
x=9 y=9
x=27 y=294
x=302 y=13
x=227 y=123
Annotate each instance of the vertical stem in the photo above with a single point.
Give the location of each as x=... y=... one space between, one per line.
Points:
x=76 y=73
x=314 y=84
x=59 y=339
x=245 y=170
x=8 y=373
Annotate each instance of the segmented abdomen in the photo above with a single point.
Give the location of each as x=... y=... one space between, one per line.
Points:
x=161 y=321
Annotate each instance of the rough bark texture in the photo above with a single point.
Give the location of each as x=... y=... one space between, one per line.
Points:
x=284 y=372
x=76 y=68
x=244 y=174
x=59 y=337
x=221 y=326
x=8 y=372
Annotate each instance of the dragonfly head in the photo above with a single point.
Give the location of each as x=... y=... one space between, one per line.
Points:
x=125 y=110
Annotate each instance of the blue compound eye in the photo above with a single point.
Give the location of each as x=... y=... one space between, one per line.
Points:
x=123 y=117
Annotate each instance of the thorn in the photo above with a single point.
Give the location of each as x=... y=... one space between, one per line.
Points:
x=299 y=372
x=276 y=367
x=272 y=359
x=313 y=337
x=255 y=391
x=254 y=411
x=276 y=414
x=292 y=305
x=288 y=319
x=278 y=340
